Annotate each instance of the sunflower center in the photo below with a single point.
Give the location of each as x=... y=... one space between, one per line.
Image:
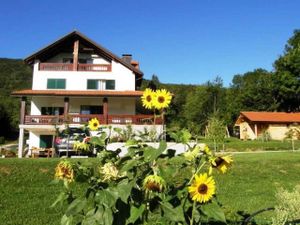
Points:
x=161 y=99
x=202 y=189
x=153 y=186
x=148 y=98
x=95 y=124
x=219 y=161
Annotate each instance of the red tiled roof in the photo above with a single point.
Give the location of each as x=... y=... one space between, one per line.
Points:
x=30 y=92
x=276 y=117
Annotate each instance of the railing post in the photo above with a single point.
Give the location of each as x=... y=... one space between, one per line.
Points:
x=105 y=110
x=66 y=108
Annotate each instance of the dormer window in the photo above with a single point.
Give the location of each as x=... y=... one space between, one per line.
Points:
x=101 y=84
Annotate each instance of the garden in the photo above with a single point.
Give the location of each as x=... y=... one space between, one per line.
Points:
x=152 y=185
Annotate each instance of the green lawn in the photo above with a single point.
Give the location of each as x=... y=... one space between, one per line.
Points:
x=26 y=192
x=235 y=144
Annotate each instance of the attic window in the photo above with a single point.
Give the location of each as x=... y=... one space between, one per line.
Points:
x=70 y=60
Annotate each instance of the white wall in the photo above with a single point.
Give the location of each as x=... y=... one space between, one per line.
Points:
x=77 y=80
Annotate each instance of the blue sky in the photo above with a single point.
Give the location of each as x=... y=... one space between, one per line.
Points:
x=187 y=42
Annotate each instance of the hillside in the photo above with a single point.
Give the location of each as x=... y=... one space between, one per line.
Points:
x=14 y=75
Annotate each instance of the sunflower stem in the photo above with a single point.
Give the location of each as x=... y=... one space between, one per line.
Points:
x=192 y=219
x=200 y=167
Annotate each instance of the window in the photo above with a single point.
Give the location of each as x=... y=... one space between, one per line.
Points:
x=110 y=85
x=46 y=141
x=52 y=110
x=91 y=109
x=56 y=84
x=101 y=84
x=92 y=84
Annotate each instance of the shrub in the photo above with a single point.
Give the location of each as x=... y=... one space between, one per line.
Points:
x=2 y=140
x=287 y=211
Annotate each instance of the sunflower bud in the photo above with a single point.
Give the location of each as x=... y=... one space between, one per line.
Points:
x=154 y=183
x=64 y=171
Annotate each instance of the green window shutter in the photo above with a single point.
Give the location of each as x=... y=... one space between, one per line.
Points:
x=92 y=84
x=61 y=83
x=50 y=83
x=56 y=84
x=110 y=85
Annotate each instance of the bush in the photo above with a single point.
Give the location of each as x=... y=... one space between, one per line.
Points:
x=2 y=140
x=287 y=211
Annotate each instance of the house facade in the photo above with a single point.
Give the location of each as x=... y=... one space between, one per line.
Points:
x=276 y=125
x=74 y=80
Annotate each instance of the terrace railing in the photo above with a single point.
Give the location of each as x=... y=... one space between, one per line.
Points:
x=83 y=119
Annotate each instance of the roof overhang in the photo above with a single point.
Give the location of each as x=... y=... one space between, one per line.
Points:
x=268 y=117
x=67 y=93
x=75 y=35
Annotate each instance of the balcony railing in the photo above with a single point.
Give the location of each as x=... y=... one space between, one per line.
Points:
x=69 y=67
x=83 y=119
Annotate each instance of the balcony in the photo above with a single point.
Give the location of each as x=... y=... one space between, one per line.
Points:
x=70 y=67
x=83 y=119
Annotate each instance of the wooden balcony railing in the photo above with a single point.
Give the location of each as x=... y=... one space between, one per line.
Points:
x=83 y=119
x=69 y=67
x=94 y=67
x=56 y=66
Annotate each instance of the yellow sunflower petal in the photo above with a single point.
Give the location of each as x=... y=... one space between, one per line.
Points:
x=147 y=98
x=94 y=124
x=203 y=188
x=162 y=99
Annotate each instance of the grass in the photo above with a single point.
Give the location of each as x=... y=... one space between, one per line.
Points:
x=235 y=144
x=26 y=192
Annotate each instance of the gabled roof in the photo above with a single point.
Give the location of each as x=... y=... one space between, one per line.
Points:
x=274 y=117
x=29 y=92
x=68 y=39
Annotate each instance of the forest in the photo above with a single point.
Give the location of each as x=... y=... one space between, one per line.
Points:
x=192 y=105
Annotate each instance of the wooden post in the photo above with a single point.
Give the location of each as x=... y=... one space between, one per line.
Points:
x=75 y=55
x=105 y=110
x=255 y=130
x=23 y=110
x=21 y=143
x=66 y=108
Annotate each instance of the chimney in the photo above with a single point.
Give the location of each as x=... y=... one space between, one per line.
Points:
x=127 y=58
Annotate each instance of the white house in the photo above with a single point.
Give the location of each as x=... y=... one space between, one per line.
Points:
x=74 y=80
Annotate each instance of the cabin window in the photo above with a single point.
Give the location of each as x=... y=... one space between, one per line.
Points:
x=56 y=84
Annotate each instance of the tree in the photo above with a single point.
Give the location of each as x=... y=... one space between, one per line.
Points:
x=216 y=130
x=287 y=79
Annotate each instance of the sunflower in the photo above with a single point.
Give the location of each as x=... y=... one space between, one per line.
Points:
x=203 y=188
x=162 y=99
x=147 y=98
x=94 y=124
x=64 y=171
x=222 y=163
x=154 y=183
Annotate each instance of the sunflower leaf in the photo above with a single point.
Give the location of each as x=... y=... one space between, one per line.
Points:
x=213 y=211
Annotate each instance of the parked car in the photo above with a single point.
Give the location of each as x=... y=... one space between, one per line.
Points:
x=64 y=142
